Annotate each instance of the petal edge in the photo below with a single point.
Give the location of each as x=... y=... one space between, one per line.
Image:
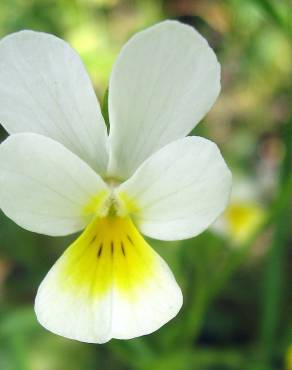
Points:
x=44 y=187
x=164 y=81
x=180 y=190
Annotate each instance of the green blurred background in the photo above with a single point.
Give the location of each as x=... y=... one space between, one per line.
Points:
x=235 y=276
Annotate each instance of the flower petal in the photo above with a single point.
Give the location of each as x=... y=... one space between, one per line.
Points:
x=44 y=187
x=108 y=284
x=180 y=190
x=45 y=89
x=164 y=81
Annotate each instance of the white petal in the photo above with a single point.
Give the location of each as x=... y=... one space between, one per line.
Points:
x=44 y=187
x=164 y=81
x=108 y=284
x=45 y=89
x=180 y=190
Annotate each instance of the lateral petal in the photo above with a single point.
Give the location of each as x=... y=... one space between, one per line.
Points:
x=45 y=188
x=180 y=190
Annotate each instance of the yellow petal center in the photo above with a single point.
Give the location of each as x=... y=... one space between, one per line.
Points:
x=109 y=253
x=243 y=219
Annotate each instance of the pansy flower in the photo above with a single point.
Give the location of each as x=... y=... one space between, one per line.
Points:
x=62 y=172
x=244 y=214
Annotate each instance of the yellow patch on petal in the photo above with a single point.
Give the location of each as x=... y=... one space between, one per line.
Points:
x=128 y=203
x=243 y=219
x=110 y=252
x=95 y=203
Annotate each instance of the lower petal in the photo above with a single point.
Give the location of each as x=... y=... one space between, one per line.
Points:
x=108 y=284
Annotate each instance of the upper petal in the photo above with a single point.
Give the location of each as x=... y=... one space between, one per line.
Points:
x=44 y=187
x=45 y=89
x=180 y=190
x=164 y=81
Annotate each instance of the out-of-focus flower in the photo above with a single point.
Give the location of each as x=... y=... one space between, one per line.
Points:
x=60 y=172
x=244 y=213
x=289 y=358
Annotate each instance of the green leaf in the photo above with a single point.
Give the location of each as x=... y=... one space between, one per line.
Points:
x=104 y=109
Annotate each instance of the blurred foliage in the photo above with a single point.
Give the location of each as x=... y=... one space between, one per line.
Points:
x=237 y=309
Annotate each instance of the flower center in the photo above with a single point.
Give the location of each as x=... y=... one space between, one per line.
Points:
x=108 y=204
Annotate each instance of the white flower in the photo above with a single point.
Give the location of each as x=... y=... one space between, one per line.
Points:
x=244 y=214
x=61 y=173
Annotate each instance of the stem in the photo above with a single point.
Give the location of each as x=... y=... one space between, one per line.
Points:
x=198 y=300
x=18 y=352
x=274 y=273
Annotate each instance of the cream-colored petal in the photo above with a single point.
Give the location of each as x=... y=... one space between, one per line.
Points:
x=164 y=81
x=179 y=191
x=44 y=187
x=108 y=284
x=44 y=88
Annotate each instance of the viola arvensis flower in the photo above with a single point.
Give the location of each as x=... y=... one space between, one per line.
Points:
x=61 y=173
